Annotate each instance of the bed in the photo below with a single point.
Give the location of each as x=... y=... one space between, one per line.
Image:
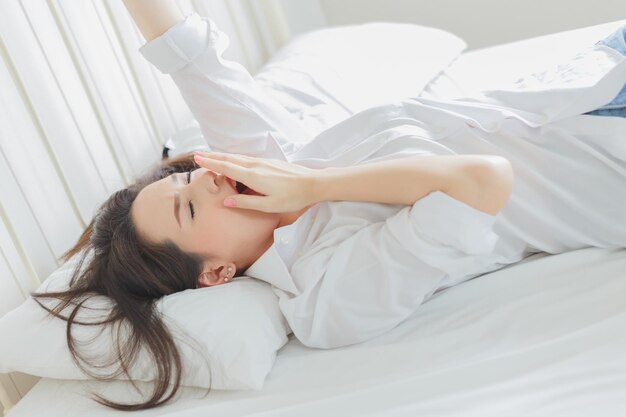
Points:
x=543 y=337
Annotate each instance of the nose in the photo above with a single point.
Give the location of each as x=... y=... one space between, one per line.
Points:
x=215 y=181
x=208 y=180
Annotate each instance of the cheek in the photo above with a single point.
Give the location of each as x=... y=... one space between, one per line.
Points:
x=249 y=227
x=216 y=223
x=222 y=225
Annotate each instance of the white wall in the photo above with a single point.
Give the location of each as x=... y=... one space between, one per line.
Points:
x=303 y=15
x=480 y=22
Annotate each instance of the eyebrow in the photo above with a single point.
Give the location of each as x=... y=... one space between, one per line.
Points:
x=176 y=203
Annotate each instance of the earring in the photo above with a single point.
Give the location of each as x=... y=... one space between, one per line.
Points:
x=228 y=274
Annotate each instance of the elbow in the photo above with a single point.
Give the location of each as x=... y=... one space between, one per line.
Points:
x=496 y=183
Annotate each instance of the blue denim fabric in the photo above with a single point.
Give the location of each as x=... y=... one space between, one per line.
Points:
x=617 y=107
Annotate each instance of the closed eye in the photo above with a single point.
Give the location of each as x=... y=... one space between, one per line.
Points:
x=191 y=210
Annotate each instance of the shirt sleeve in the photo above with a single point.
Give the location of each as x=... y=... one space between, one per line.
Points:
x=369 y=283
x=234 y=113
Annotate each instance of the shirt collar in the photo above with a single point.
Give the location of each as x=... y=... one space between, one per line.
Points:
x=271 y=269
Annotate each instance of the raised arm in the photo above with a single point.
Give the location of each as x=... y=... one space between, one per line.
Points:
x=235 y=114
x=153 y=17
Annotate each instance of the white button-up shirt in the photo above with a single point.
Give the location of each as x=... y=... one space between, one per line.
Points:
x=346 y=271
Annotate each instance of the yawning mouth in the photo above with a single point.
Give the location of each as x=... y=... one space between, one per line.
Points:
x=241 y=188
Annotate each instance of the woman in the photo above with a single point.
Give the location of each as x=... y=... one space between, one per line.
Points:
x=358 y=226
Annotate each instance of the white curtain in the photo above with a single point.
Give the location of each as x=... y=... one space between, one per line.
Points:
x=81 y=115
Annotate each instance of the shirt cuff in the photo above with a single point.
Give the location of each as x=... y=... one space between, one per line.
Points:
x=179 y=45
x=452 y=222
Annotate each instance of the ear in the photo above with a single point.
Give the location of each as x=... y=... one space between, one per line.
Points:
x=216 y=273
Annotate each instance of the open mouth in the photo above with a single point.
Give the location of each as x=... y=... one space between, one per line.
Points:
x=241 y=188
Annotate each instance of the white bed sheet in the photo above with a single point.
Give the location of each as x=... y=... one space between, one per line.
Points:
x=544 y=337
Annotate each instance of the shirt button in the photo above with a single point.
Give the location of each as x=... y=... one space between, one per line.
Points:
x=284 y=240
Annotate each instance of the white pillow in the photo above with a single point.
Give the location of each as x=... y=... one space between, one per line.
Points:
x=239 y=325
x=326 y=75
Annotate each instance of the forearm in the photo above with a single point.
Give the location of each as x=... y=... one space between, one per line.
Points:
x=481 y=181
x=153 y=17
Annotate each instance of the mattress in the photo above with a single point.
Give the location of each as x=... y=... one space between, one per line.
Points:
x=543 y=337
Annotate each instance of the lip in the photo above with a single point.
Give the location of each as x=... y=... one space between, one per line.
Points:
x=231 y=182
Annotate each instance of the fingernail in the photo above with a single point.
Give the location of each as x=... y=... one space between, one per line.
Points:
x=229 y=202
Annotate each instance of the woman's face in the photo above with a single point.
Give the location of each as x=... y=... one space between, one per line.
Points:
x=222 y=236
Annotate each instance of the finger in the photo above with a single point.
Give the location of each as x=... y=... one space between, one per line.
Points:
x=229 y=169
x=247 y=202
x=210 y=157
x=229 y=157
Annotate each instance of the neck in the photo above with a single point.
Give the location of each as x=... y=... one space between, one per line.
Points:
x=285 y=220
x=290 y=217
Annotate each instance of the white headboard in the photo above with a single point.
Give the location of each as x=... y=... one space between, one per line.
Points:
x=81 y=115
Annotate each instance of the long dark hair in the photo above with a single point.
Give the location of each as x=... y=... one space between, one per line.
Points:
x=134 y=274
